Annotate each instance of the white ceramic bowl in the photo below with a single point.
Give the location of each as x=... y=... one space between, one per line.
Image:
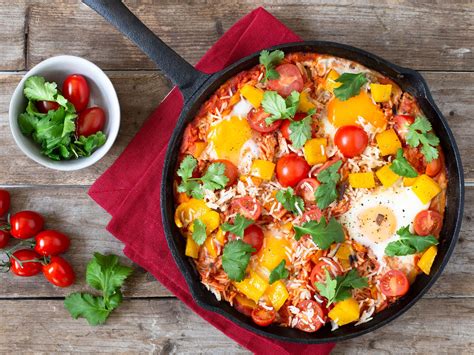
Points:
x=102 y=93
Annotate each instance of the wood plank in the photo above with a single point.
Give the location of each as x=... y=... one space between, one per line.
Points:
x=417 y=35
x=12 y=35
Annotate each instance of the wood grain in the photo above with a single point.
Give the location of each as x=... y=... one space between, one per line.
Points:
x=12 y=35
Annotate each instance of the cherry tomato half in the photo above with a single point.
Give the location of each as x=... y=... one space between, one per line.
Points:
x=23 y=262
x=4 y=202
x=59 y=272
x=46 y=106
x=313 y=214
x=351 y=140
x=401 y=124
x=231 y=171
x=310 y=321
x=4 y=238
x=248 y=207
x=394 y=283
x=76 y=90
x=256 y=119
x=263 y=317
x=90 y=121
x=290 y=80
x=428 y=222
x=51 y=242
x=291 y=169
x=253 y=235
x=306 y=189
x=318 y=274
x=26 y=224
x=433 y=167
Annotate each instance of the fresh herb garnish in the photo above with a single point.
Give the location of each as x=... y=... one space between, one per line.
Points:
x=278 y=273
x=38 y=89
x=326 y=192
x=290 y=201
x=199 y=231
x=270 y=60
x=278 y=107
x=351 y=84
x=323 y=233
x=235 y=258
x=419 y=133
x=300 y=131
x=238 y=228
x=409 y=243
x=340 y=288
x=402 y=167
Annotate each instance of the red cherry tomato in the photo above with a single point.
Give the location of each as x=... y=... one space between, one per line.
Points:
x=285 y=126
x=248 y=207
x=290 y=80
x=59 y=272
x=318 y=274
x=291 y=169
x=253 y=235
x=401 y=124
x=4 y=238
x=394 y=283
x=90 y=121
x=26 y=224
x=23 y=262
x=76 y=90
x=263 y=317
x=415 y=158
x=51 y=242
x=306 y=189
x=4 y=202
x=433 y=167
x=310 y=321
x=313 y=214
x=256 y=119
x=428 y=222
x=231 y=171
x=351 y=140
x=46 y=106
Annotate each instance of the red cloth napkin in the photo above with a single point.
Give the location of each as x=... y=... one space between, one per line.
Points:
x=130 y=189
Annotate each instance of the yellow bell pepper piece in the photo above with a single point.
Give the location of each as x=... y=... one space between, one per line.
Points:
x=315 y=151
x=210 y=246
x=425 y=188
x=211 y=219
x=253 y=287
x=388 y=142
x=408 y=181
x=386 y=176
x=252 y=94
x=198 y=149
x=345 y=312
x=220 y=236
x=362 y=180
x=343 y=255
x=262 y=169
x=244 y=301
x=380 y=92
x=188 y=211
x=277 y=294
x=305 y=104
x=331 y=82
x=273 y=251
x=192 y=248
x=426 y=260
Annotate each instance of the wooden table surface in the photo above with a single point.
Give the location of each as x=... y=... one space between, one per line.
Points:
x=434 y=37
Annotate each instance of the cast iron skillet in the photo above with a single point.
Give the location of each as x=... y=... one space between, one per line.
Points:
x=197 y=87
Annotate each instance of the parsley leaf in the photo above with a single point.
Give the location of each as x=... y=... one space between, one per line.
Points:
x=326 y=192
x=402 y=167
x=215 y=177
x=238 y=228
x=278 y=273
x=278 y=107
x=199 y=231
x=351 y=84
x=419 y=133
x=87 y=306
x=38 y=89
x=300 y=131
x=235 y=258
x=269 y=60
x=328 y=288
x=187 y=167
x=290 y=201
x=340 y=288
x=323 y=233
x=409 y=243
x=85 y=146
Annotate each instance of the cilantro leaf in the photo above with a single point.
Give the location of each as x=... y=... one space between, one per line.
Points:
x=38 y=89
x=419 y=133
x=87 y=306
x=279 y=272
x=409 y=243
x=238 y=228
x=290 y=201
x=323 y=233
x=278 y=107
x=340 y=288
x=328 y=288
x=199 y=231
x=235 y=258
x=85 y=146
x=326 y=192
x=215 y=177
x=300 y=131
x=351 y=84
x=27 y=123
x=187 y=167
x=402 y=167
x=269 y=60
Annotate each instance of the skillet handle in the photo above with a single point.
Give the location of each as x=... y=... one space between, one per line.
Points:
x=181 y=73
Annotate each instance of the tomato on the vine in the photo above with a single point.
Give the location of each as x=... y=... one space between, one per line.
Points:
x=51 y=242
x=4 y=238
x=25 y=262
x=59 y=272
x=4 y=202
x=26 y=224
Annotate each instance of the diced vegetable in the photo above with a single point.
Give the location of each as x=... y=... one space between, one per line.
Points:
x=262 y=169
x=427 y=259
x=343 y=255
x=305 y=104
x=253 y=287
x=362 y=180
x=220 y=236
x=388 y=142
x=212 y=220
x=380 y=92
x=187 y=212
x=192 y=248
x=331 y=82
x=345 y=312
x=273 y=251
x=409 y=181
x=210 y=246
x=255 y=180
x=278 y=294
x=252 y=94
x=425 y=188
x=386 y=176
x=315 y=151
x=198 y=149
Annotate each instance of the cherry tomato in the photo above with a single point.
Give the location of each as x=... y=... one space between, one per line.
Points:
x=428 y=222
x=253 y=235
x=4 y=238
x=26 y=224
x=291 y=169
x=285 y=126
x=318 y=274
x=401 y=124
x=263 y=317
x=46 y=106
x=248 y=207
x=351 y=140
x=310 y=321
x=313 y=214
x=76 y=90
x=90 y=121
x=23 y=262
x=306 y=189
x=231 y=171
x=290 y=80
x=256 y=119
x=394 y=283
x=51 y=242
x=433 y=167
x=4 y=202
x=244 y=305
x=415 y=158
x=59 y=272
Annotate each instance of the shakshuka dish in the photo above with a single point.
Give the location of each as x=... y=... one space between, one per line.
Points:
x=310 y=190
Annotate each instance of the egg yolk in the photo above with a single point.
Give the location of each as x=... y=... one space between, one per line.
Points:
x=377 y=223
x=229 y=136
x=343 y=113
